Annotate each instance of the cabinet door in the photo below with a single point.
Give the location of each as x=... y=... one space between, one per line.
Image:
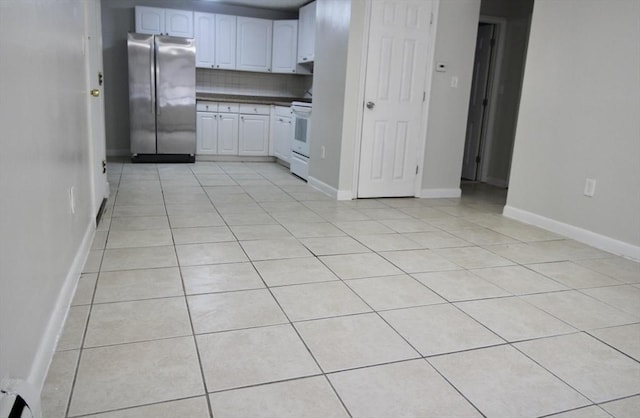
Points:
x=254 y=44
x=178 y=23
x=282 y=135
x=225 y=42
x=150 y=20
x=204 y=33
x=307 y=33
x=285 y=46
x=253 y=136
x=206 y=133
x=228 y=133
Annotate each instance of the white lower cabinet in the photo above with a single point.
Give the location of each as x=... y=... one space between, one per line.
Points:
x=206 y=133
x=253 y=135
x=217 y=129
x=228 y=133
x=232 y=129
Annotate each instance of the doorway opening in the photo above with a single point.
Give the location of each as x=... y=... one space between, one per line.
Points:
x=501 y=50
x=479 y=101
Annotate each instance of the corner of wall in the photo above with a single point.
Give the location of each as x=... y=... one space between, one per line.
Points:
x=456 y=30
x=329 y=190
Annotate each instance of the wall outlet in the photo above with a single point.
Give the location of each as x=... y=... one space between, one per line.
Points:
x=589 y=187
x=72 y=199
x=322 y=153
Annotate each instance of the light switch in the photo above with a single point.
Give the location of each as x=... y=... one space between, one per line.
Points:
x=589 y=187
x=454 y=82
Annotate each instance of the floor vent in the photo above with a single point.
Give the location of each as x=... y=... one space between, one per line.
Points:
x=101 y=211
x=13 y=406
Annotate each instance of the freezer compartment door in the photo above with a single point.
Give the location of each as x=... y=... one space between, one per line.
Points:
x=176 y=95
x=142 y=112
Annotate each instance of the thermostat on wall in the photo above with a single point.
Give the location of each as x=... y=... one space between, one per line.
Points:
x=441 y=66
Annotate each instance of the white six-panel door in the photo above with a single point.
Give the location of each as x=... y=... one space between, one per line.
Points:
x=394 y=98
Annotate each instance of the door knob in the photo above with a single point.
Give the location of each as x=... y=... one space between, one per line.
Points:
x=370 y=105
x=95 y=92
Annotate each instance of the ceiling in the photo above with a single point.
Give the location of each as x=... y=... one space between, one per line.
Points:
x=268 y=4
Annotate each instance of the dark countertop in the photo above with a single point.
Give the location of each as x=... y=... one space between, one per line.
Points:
x=236 y=98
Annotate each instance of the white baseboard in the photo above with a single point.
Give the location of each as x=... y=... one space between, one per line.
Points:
x=329 y=190
x=344 y=195
x=118 y=152
x=579 y=234
x=440 y=193
x=44 y=355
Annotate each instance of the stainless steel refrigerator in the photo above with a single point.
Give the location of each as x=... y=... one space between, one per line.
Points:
x=162 y=98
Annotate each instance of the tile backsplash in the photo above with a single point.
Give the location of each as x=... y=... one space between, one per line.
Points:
x=252 y=84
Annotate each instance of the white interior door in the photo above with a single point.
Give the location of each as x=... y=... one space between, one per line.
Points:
x=477 y=102
x=392 y=131
x=95 y=102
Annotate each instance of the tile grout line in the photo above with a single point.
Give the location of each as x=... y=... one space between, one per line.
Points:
x=292 y=326
x=292 y=284
x=193 y=333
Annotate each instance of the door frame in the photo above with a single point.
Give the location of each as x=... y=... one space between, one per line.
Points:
x=495 y=71
x=97 y=141
x=422 y=142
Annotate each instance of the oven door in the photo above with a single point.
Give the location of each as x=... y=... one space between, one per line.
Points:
x=302 y=128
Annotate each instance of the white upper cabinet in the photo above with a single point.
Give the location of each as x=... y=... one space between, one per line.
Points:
x=204 y=33
x=254 y=44
x=230 y=42
x=285 y=46
x=307 y=33
x=215 y=37
x=225 y=42
x=158 y=21
x=149 y=20
x=178 y=23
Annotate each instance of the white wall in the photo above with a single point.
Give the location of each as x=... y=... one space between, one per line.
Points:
x=353 y=102
x=456 y=33
x=329 y=87
x=44 y=152
x=579 y=119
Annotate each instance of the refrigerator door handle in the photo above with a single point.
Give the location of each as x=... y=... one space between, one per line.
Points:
x=157 y=76
x=152 y=80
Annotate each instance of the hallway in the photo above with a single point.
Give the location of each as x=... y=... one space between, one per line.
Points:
x=241 y=282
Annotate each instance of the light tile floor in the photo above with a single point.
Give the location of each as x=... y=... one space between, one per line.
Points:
x=236 y=290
